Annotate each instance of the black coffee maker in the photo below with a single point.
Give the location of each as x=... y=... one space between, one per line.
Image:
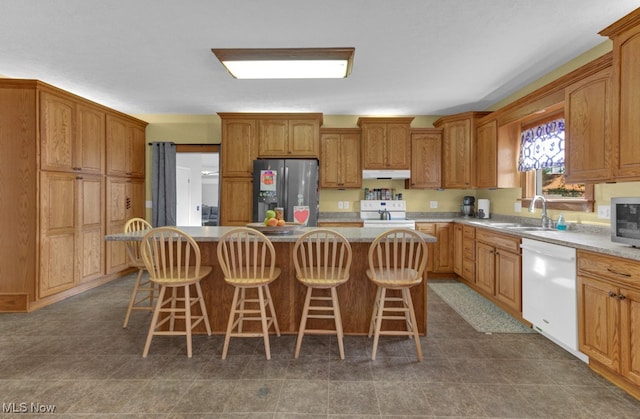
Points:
x=468 y=206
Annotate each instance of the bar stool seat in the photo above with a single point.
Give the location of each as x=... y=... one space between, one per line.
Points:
x=322 y=259
x=247 y=259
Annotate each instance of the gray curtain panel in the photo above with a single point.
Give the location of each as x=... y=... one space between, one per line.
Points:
x=163 y=184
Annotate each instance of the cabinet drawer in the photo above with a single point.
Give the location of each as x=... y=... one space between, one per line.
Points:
x=501 y=241
x=609 y=267
x=468 y=232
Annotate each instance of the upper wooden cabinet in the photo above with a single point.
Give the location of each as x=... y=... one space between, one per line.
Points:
x=72 y=135
x=288 y=136
x=239 y=146
x=340 y=158
x=386 y=143
x=497 y=156
x=625 y=106
x=125 y=146
x=458 y=149
x=426 y=155
x=587 y=134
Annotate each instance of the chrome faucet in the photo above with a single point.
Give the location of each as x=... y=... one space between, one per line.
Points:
x=545 y=220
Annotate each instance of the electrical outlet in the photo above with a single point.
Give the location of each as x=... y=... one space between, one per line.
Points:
x=433 y=204
x=340 y=205
x=604 y=212
x=517 y=207
x=346 y=205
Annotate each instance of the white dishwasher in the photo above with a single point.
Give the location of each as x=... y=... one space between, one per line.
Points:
x=549 y=292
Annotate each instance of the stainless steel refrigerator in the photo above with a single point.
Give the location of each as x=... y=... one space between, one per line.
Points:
x=288 y=183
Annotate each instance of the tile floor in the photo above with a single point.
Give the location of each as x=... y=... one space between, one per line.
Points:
x=75 y=356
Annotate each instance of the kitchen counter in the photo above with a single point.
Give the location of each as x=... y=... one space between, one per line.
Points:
x=356 y=296
x=593 y=240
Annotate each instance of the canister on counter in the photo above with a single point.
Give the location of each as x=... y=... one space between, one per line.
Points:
x=279 y=213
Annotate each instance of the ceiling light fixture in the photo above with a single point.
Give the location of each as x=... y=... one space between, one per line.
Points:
x=286 y=63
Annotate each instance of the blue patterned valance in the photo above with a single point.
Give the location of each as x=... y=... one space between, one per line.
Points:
x=542 y=146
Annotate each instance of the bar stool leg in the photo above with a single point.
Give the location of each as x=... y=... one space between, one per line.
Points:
x=303 y=321
x=263 y=320
x=338 y=319
x=232 y=316
x=407 y=294
x=376 y=335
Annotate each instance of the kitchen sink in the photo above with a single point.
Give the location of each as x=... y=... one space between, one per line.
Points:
x=525 y=228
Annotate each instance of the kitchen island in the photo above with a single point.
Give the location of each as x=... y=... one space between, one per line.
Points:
x=356 y=296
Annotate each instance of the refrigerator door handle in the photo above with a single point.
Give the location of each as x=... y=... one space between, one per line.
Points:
x=285 y=193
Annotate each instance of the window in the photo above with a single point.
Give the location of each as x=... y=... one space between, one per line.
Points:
x=542 y=160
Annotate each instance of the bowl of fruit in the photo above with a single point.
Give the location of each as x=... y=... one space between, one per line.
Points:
x=273 y=225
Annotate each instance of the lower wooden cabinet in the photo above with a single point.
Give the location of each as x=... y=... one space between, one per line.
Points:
x=609 y=317
x=464 y=252
x=499 y=269
x=440 y=258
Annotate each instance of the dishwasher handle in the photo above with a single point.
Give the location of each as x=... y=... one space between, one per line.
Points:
x=548 y=254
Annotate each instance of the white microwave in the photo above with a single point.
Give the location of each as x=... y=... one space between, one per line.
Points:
x=625 y=220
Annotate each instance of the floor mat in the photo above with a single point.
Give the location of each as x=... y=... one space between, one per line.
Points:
x=480 y=313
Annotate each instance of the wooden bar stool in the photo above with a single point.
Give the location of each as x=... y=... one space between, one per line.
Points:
x=144 y=291
x=397 y=260
x=248 y=261
x=322 y=259
x=172 y=258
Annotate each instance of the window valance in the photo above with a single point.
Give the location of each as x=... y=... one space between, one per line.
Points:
x=542 y=146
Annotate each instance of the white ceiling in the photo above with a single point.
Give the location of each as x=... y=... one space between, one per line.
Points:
x=413 y=57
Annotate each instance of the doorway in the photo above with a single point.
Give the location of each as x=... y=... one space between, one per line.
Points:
x=197 y=184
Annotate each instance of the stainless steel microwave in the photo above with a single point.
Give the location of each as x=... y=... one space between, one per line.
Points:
x=625 y=220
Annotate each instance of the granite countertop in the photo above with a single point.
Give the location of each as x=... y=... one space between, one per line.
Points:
x=212 y=234
x=585 y=237
x=580 y=236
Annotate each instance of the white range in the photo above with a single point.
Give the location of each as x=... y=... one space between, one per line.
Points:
x=371 y=214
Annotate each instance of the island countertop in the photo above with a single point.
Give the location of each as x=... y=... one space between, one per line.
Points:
x=210 y=233
x=356 y=296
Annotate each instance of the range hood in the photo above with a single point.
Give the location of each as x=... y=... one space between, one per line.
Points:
x=386 y=174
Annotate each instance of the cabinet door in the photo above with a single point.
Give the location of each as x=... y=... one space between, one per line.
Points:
x=239 y=147
x=485 y=272
x=91 y=255
x=90 y=139
x=457 y=249
x=508 y=280
x=398 y=146
x=273 y=137
x=598 y=321
x=57 y=132
x=117 y=146
x=330 y=161
x=629 y=336
x=426 y=155
x=137 y=150
x=374 y=146
x=303 y=138
x=58 y=217
x=626 y=106
x=587 y=140
x=456 y=150
x=117 y=213
x=236 y=201
x=350 y=167
x=487 y=155
x=444 y=259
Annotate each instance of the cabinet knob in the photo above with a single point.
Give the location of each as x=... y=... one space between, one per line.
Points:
x=612 y=294
x=621 y=297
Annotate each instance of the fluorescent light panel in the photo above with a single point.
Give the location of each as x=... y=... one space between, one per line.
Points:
x=286 y=63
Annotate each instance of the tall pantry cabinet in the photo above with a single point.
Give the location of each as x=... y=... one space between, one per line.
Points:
x=52 y=193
